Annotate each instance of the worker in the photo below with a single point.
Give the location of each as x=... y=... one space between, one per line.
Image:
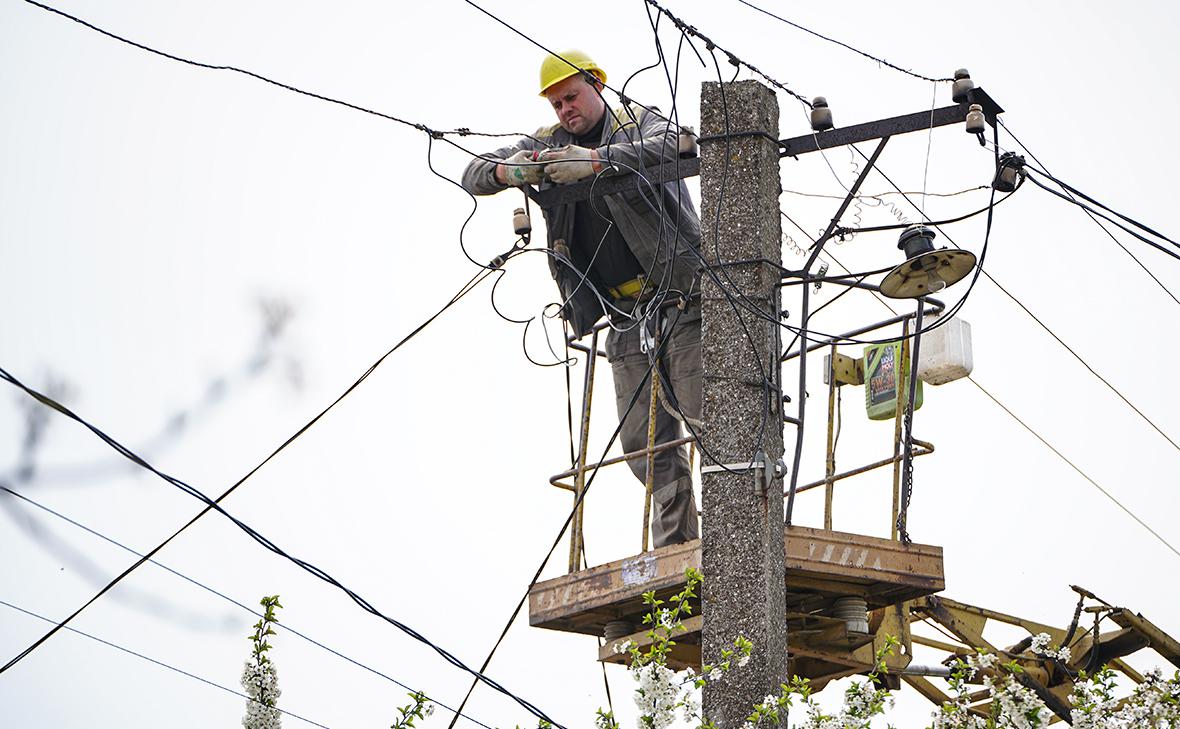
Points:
x=625 y=255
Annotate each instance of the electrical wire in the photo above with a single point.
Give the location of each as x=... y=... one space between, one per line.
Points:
x=1091 y=216
x=1091 y=200
x=570 y=517
x=881 y=61
x=433 y=133
x=1122 y=227
x=261 y=539
x=1080 y=472
x=730 y=56
x=583 y=275
x=181 y=671
x=685 y=30
x=213 y=504
x=286 y=627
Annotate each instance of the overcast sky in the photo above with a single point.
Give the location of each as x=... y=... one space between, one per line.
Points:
x=147 y=207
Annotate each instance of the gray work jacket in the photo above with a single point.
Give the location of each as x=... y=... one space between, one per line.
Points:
x=659 y=223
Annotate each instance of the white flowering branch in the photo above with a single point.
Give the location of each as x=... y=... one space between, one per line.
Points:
x=419 y=708
x=863 y=701
x=662 y=692
x=259 y=678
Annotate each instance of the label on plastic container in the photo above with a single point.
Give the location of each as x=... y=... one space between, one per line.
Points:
x=882 y=363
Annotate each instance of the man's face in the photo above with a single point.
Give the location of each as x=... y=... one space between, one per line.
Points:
x=577 y=104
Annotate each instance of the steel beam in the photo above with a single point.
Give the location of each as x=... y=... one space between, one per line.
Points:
x=793 y=147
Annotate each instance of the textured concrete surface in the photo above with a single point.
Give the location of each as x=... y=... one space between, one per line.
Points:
x=742 y=530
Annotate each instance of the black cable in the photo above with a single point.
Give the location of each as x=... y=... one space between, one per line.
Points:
x=1091 y=216
x=731 y=57
x=1091 y=200
x=433 y=133
x=256 y=536
x=182 y=672
x=1122 y=227
x=767 y=376
x=685 y=29
x=286 y=627
x=823 y=306
x=213 y=504
x=569 y=519
x=843 y=45
x=582 y=281
x=656 y=301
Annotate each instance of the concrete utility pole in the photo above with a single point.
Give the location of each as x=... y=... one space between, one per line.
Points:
x=742 y=549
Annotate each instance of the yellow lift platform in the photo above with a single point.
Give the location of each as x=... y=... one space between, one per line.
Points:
x=892 y=586
x=822 y=565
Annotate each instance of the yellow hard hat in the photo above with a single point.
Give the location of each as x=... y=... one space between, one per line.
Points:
x=557 y=68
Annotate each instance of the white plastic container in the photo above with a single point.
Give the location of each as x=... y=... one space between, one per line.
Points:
x=945 y=354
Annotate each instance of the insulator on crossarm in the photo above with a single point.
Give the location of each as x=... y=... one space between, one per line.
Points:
x=963 y=84
x=688 y=143
x=821 y=115
x=521 y=223
x=975 y=120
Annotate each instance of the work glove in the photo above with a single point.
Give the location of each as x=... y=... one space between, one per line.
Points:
x=522 y=169
x=568 y=164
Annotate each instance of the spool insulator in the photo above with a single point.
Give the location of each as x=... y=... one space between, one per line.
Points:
x=521 y=223
x=975 y=122
x=963 y=84
x=854 y=612
x=821 y=115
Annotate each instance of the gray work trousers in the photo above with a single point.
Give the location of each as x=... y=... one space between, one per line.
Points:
x=674 y=508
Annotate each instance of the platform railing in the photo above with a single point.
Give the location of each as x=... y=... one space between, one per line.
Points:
x=574 y=479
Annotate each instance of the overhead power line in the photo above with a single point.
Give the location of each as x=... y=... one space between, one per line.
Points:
x=265 y=542
x=733 y=59
x=433 y=133
x=1074 y=466
x=1070 y=199
x=1092 y=217
x=51 y=403
x=805 y=29
x=213 y=504
x=157 y=662
x=285 y=627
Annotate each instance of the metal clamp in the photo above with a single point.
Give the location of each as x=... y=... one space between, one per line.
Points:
x=765 y=471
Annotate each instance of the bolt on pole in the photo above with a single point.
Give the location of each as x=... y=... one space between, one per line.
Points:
x=742 y=545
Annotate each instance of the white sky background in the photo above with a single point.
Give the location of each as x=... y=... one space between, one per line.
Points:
x=146 y=205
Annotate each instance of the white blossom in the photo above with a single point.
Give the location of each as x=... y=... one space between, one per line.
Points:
x=261 y=682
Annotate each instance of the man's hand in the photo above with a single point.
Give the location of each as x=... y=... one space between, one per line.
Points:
x=520 y=169
x=570 y=164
